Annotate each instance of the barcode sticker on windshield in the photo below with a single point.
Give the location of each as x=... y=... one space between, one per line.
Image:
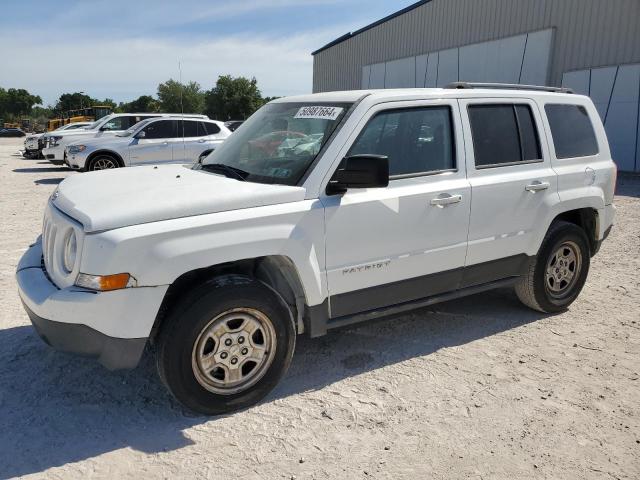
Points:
x=321 y=112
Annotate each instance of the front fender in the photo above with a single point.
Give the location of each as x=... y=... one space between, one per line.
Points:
x=158 y=253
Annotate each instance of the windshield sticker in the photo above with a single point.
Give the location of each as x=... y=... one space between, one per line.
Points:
x=320 y=112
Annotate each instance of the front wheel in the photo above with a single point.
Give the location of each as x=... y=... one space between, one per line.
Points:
x=102 y=162
x=559 y=272
x=225 y=345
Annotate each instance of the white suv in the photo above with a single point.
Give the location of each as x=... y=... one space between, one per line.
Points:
x=321 y=211
x=55 y=142
x=33 y=144
x=156 y=140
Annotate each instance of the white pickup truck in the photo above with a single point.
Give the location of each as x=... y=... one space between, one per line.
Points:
x=319 y=212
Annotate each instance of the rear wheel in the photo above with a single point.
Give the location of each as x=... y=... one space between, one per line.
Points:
x=102 y=162
x=225 y=345
x=559 y=272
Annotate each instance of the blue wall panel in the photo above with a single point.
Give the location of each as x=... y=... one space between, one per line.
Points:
x=422 y=62
x=510 y=52
x=578 y=81
x=535 y=65
x=622 y=117
x=401 y=73
x=601 y=87
x=447 y=67
x=376 y=79
x=366 y=73
x=432 y=70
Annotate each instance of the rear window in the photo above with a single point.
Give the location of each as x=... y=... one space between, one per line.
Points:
x=572 y=131
x=503 y=134
x=208 y=128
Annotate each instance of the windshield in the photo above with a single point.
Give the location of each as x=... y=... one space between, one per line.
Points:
x=279 y=142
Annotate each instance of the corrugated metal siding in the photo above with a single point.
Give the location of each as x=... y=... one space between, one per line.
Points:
x=589 y=33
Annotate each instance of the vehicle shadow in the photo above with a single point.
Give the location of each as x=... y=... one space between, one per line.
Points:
x=48 y=181
x=41 y=170
x=58 y=408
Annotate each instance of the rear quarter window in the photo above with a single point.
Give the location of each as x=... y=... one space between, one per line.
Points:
x=571 y=130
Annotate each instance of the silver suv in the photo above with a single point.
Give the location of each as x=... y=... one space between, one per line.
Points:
x=156 y=140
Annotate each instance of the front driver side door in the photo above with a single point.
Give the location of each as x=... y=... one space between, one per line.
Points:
x=156 y=145
x=387 y=246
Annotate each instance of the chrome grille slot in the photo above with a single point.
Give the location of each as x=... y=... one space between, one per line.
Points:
x=55 y=228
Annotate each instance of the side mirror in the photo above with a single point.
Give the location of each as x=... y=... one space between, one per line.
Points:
x=360 y=171
x=141 y=134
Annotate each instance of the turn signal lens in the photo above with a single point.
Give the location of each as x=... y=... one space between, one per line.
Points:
x=105 y=283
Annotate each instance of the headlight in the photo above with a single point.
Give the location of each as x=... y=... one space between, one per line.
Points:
x=70 y=252
x=53 y=141
x=105 y=283
x=77 y=148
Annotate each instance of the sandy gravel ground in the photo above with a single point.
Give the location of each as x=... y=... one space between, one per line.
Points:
x=476 y=388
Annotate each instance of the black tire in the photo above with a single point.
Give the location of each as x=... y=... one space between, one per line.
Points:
x=177 y=340
x=534 y=289
x=99 y=161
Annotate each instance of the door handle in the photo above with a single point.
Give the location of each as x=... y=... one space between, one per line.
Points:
x=537 y=186
x=445 y=199
x=202 y=140
x=165 y=143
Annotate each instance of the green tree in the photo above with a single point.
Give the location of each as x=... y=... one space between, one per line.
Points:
x=73 y=101
x=176 y=97
x=233 y=98
x=142 y=104
x=17 y=102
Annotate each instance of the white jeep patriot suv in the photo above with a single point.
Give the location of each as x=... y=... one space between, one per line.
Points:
x=321 y=211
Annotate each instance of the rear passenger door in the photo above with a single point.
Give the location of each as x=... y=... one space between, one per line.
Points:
x=513 y=186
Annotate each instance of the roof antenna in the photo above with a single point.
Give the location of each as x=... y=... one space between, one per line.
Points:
x=184 y=148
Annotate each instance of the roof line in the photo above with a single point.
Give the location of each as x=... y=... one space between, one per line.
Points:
x=349 y=35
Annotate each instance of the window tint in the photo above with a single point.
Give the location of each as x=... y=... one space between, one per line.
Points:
x=190 y=128
x=207 y=128
x=503 y=134
x=528 y=133
x=118 y=123
x=572 y=131
x=417 y=140
x=161 y=129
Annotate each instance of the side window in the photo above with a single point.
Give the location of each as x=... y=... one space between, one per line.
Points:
x=207 y=128
x=503 y=134
x=572 y=131
x=416 y=140
x=190 y=128
x=118 y=123
x=161 y=129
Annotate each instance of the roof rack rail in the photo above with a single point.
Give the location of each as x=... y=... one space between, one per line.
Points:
x=509 y=86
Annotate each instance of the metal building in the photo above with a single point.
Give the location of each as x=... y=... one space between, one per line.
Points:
x=592 y=46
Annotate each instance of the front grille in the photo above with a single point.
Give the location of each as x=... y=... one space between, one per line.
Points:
x=48 y=242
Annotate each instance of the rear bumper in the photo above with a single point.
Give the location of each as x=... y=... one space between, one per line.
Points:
x=113 y=353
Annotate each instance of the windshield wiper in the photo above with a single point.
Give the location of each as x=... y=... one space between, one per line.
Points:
x=227 y=170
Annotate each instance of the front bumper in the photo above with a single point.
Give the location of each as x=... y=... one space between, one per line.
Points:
x=54 y=154
x=113 y=353
x=74 y=161
x=110 y=326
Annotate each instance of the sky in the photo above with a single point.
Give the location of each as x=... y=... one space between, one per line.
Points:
x=122 y=49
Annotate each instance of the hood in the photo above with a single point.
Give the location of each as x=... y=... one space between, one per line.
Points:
x=109 y=199
x=72 y=133
x=99 y=141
